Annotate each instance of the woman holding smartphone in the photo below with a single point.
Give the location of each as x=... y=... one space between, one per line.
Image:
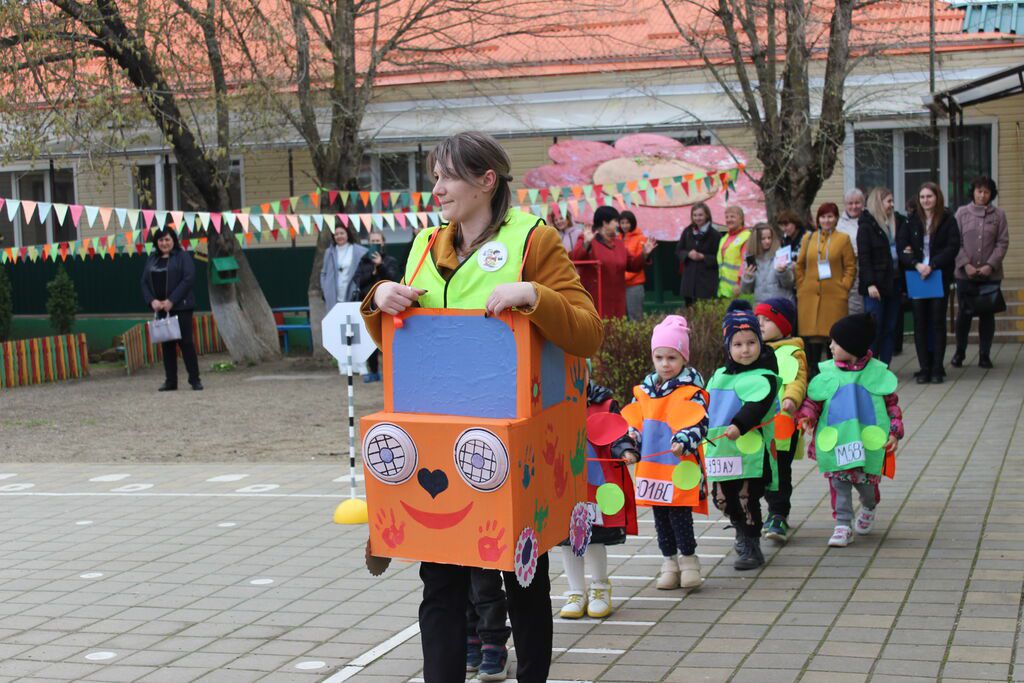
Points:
x=375 y=266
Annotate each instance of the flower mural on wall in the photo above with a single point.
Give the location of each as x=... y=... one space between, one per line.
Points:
x=644 y=155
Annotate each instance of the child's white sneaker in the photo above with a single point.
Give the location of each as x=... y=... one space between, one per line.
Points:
x=599 y=600
x=865 y=521
x=689 y=572
x=668 y=577
x=841 y=537
x=575 y=606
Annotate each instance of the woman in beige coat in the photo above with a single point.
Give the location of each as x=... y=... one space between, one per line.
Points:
x=825 y=271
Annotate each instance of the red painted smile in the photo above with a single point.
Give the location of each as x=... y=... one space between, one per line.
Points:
x=437 y=520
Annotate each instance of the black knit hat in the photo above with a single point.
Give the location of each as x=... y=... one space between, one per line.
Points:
x=854 y=334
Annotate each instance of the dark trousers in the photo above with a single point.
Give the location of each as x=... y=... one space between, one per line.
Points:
x=740 y=500
x=674 y=526
x=443 y=622
x=486 y=611
x=778 y=501
x=373 y=362
x=930 y=326
x=814 y=351
x=188 y=351
x=986 y=325
x=885 y=312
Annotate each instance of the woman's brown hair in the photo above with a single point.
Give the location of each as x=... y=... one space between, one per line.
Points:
x=468 y=156
x=755 y=238
x=940 y=205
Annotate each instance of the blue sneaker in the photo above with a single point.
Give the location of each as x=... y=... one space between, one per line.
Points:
x=495 y=664
x=777 y=529
x=473 y=654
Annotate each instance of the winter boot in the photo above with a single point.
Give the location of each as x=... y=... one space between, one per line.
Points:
x=750 y=556
x=689 y=572
x=668 y=577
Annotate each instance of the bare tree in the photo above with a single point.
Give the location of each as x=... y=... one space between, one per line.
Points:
x=89 y=71
x=744 y=44
x=336 y=51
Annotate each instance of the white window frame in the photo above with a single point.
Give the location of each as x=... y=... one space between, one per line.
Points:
x=158 y=190
x=898 y=127
x=15 y=193
x=376 y=182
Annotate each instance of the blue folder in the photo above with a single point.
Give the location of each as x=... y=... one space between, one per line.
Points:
x=928 y=288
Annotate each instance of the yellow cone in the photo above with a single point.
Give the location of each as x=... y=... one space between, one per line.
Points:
x=351 y=511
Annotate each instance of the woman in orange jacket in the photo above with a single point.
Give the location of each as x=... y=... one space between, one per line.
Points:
x=635 y=279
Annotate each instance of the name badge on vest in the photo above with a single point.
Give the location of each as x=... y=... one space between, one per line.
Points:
x=824 y=270
x=492 y=256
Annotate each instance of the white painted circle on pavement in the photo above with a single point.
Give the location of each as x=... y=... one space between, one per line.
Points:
x=16 y=487
x=110 y=477
x=261 y=582
x=83 y=522
x=90 y=575
x=100 y=656
x=225 y=525
x=258 y=488
x=131 y=488
x=310 y=666
x=227 y=477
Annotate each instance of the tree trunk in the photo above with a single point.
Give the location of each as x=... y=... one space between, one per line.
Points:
x=244 y=318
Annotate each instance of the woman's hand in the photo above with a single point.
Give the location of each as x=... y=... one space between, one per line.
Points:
x=393 y=298
x=156 y=305
x=732 y=432
x=167 y=305
x=650 y=245
x=781 y=268
x=874 y=293
x=511 y=295
x=588 y=235
x=924 y=270
x=376 y=259
x=985 y=271
x=750 y=268
x=695 y=255
x=631 y=457
x=970 y=270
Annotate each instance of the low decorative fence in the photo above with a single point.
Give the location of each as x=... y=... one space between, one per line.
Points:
x=141 y=353
x=43 y=359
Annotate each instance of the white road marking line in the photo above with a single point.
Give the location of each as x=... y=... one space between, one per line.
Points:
x=716 y=538
x=550 y=680
x=638 y=598
x=90 y=575
x=602 y=622
x=588 y=650
x=310 y=666
x=659 y=557
x=257 y=488
x=227 y=525
x=345 y=478
x=96 y=494
x=646 y=520
x=261 y=582
x=110 y=477
x=227 y=477
x=620 y=577
x=286 y=378
x=7 y=475
x=11 y=488
x=100 y=656
x=131 y=488
x=84 y=522
x=362 y=661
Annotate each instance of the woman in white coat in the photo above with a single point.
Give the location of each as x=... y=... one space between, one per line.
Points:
x=337 y=276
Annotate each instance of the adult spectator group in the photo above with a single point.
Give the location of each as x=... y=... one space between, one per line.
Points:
x=881 y=279
x=930 y=241
x=601 y=243
x=635 y=279
x=985 y=237
x=168 y=280
x=825 y=269
x=697 y=251
x=765 y=276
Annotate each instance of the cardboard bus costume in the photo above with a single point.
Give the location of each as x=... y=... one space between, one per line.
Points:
x=743 y=458
x=854 y=424
x=482 y=473
x=663 y=478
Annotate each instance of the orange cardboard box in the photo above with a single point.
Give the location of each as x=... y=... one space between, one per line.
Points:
x=479 y=455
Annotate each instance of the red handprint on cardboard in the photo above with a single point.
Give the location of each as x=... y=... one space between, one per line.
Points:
x=489 y=545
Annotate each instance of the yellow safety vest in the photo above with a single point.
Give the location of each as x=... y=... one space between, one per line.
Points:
x=730 y=262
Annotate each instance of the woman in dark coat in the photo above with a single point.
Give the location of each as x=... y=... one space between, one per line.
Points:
x=697 y=251
x=929 y=241
x=881 y=279
x=168 y=279
x=374 y=267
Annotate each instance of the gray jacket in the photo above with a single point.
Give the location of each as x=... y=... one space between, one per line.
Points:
x=329 y=275
x=768 y=283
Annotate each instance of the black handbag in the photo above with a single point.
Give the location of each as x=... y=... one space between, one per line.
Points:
x=983 y=298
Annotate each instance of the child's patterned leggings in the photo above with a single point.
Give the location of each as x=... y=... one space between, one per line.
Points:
x=740 y=500
x=675 y=530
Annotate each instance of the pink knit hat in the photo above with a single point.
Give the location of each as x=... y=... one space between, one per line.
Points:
x=673 y=333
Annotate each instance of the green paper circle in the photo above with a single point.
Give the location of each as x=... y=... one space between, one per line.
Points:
x=827 y=439
x=788 y=367
x=750 y=443
x=874 y=437
x=822 y=387
x=610 y=498
x=752 y=388
x=785 y=350
x=686 y=475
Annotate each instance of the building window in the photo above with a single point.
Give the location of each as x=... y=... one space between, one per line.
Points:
x=873 y=154
x=37 y=186
x=144 y=186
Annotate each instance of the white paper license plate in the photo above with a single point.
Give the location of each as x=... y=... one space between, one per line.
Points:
x=654 y=490
x=725 y=467
x=850 y=454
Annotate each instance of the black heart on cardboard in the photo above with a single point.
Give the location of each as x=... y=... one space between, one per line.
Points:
x=434 y=482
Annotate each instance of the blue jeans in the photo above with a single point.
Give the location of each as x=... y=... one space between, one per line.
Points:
x=886 y=313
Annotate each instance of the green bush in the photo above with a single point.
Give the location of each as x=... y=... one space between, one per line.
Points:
x=625 y=356
x=6 y=306
x=61 y=302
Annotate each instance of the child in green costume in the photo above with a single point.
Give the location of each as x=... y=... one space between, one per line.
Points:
x=740 y=455
x=853 y=408
x=778 y=322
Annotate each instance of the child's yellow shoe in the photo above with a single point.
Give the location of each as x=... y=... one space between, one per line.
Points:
x=575 y=606
x=599 y=602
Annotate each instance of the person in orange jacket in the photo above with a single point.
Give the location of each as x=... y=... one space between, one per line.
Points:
x=635 y=279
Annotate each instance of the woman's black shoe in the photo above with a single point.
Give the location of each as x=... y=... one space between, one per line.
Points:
x=197 y=386
x=923 y=377
x=985 y=362
x=167 y=386
x=938 y=379
x=957 y=361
